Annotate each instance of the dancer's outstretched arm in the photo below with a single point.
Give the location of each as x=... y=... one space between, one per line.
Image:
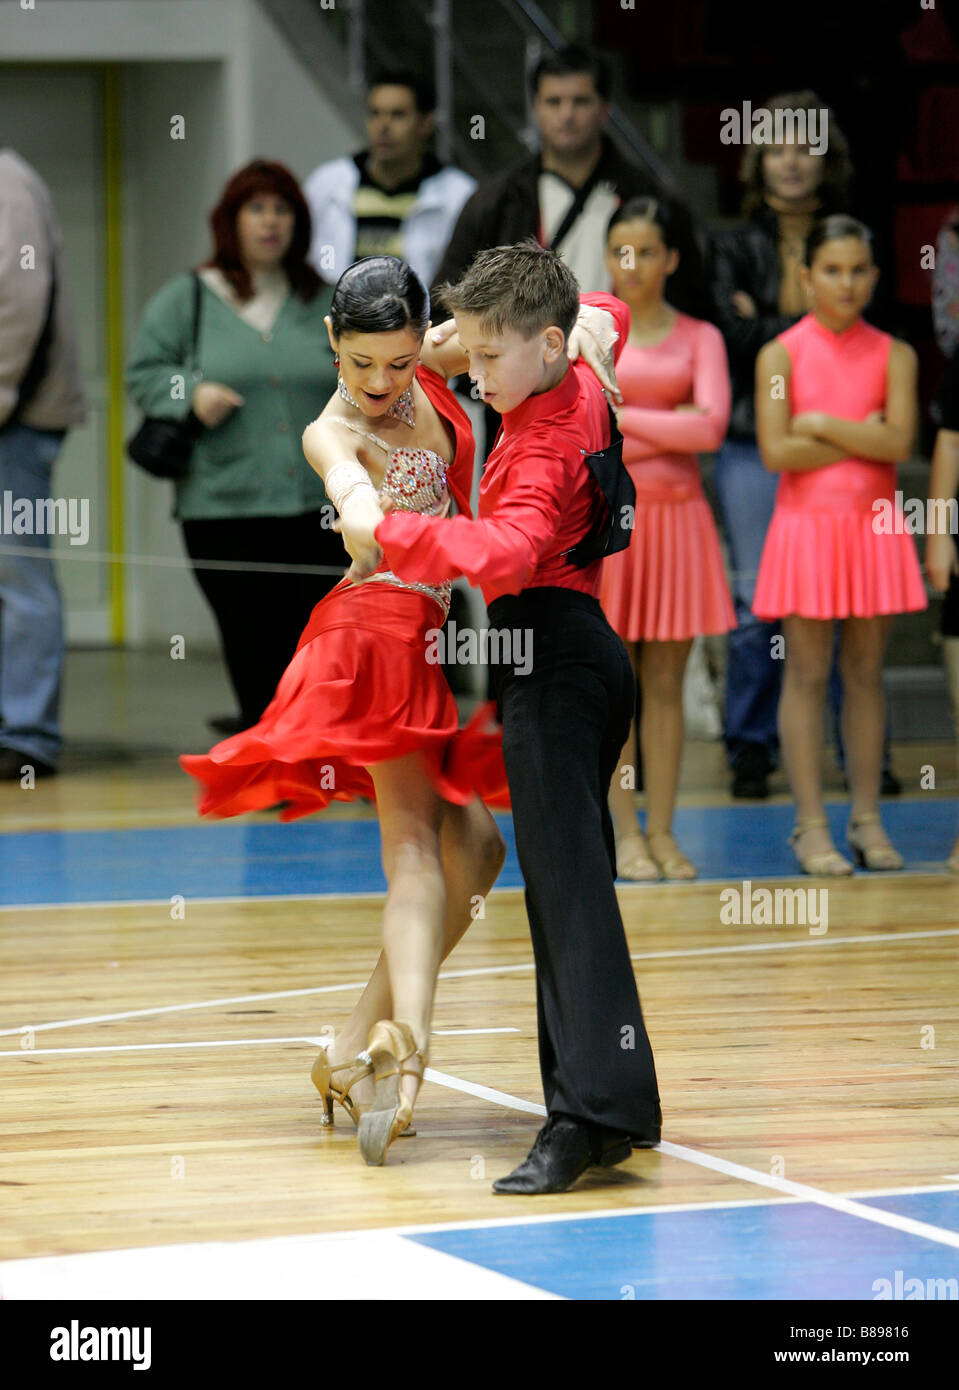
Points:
x=331 y=452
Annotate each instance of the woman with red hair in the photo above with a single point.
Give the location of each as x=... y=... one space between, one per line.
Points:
x=261 y=369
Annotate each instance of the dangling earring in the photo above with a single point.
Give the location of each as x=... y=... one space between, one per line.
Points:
x=336 y=360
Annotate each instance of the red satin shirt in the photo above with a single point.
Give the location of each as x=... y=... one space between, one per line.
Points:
x=537 y=498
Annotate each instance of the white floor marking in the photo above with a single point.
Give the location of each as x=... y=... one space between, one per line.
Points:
x=218 y=1042
x=456 y=1083
x=679 y=953
x=891 y=938
x=367 y=1265
x=737 y=1170
x=814 y=1194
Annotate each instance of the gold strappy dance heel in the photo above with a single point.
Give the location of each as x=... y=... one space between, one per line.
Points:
x=673 y=863
x=828 y=863
x=321 y=1076
x=390 y=1045
x=881 y=857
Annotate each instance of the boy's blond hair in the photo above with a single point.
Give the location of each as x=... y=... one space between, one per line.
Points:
x=523 y=287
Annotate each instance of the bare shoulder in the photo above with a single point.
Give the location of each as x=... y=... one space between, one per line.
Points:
x=328 y=438
x=774 y=356
x=902 y=356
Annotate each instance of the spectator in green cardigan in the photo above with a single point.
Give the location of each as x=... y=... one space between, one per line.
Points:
x=264 y=370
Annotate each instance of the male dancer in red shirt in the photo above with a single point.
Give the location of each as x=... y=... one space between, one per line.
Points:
x=565 y=721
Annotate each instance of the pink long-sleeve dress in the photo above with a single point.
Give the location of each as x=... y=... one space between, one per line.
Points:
x=670 y=583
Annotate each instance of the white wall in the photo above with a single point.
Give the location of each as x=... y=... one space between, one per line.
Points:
x=224 y=66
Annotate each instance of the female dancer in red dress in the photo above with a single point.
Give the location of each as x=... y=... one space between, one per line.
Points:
x=361 y=711
x=669 y=586
x=836 y=411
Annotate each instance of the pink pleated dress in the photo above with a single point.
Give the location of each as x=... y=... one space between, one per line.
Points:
x=826 y=554
x=670 y=583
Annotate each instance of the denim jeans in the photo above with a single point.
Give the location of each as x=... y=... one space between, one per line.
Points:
x=747 y=495
x=31 y=610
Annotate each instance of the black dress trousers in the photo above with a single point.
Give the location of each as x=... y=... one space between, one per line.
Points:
x=564 y=724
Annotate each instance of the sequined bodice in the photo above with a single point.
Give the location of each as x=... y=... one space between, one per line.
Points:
x=415 y=481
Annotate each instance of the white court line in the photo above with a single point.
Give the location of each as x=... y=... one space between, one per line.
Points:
x=456 y=1083
x=801 y=1191
x=218 y=1042
x=893 y=938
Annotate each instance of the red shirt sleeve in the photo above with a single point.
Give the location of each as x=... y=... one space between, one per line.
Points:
x=499 y=551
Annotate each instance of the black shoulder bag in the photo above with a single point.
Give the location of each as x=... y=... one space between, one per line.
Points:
x=612 y=530
x=163 y=447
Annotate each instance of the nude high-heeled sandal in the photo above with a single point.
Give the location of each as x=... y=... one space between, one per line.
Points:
x=390 y=1045
x=881 y=857
x=828 y=863
x=671 y=861
x=322 y=1078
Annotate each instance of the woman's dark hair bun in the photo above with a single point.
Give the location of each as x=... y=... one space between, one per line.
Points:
x=379 y=294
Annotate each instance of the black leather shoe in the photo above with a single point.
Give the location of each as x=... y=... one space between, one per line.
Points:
x=751 y=768
x=12 y=764
x=561 y=1153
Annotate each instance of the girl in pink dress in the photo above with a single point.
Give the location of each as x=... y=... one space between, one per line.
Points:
x=669 y=586
x=836 y=411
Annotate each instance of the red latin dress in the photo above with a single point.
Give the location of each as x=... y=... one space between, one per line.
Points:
x=360 y=688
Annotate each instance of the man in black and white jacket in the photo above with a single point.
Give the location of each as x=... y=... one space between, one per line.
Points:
x=394 y=198
x=565 y=194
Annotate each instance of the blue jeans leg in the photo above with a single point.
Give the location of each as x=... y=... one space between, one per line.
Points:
x=747 y=493
x=31 y=610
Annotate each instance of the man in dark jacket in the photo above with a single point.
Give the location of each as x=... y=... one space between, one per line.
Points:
x=564 y=195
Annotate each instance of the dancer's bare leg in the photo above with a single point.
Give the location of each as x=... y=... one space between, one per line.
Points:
x=662 y=666
x=472 y=852
x=808 y=658
x=862 y=644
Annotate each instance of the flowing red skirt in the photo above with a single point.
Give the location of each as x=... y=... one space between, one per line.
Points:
x=358 y=691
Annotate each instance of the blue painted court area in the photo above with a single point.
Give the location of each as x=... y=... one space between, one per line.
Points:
x=257 y=859
x=773 y=1251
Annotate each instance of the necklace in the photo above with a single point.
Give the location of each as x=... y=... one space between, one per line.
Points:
x=401 y=409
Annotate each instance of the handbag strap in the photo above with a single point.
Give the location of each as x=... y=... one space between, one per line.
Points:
x=195 y=329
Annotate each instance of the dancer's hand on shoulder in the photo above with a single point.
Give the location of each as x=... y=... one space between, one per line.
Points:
x=593 y=337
